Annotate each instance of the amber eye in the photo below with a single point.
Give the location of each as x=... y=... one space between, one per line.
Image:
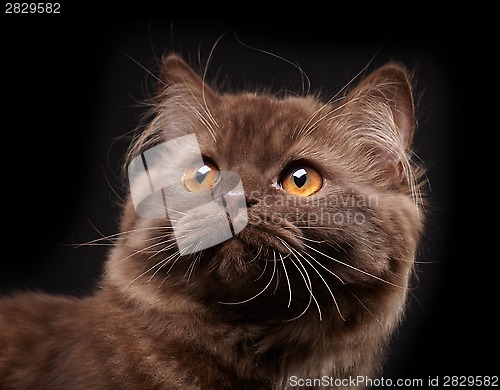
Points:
x=301 y=180
x=201 y=178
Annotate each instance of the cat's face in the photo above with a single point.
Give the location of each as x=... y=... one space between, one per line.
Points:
x=277 y=207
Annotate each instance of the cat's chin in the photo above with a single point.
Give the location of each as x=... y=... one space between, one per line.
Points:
x=234 y=261
x=248 y=258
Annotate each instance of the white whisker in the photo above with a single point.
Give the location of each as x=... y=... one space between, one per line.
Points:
x=144 y=250
x=164 y=249
x=325 y=268
x=117 y=236
x=145 y=272
x=287 y=281
x=263 y=271
x=352 y=267
x=314 y=268
x=204 y=77
x=194 y=110
x=257 y=255
x=309 y=283
x=161 y=264
x=368 y=310
x=310 y=240
x=325 y=283
x=256 y=295
x=302 y=73
x=311 y=296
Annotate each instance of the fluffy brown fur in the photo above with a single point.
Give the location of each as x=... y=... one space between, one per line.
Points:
x=290 y=295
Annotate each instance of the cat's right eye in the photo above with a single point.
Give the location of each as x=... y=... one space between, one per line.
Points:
x=301 y=180
x=201 y=178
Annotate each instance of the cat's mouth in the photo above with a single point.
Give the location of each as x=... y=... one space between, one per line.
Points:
x=243 y=256
x=269 y=263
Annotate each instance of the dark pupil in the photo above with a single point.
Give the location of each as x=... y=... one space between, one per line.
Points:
x=200 y=176
x=300 y=177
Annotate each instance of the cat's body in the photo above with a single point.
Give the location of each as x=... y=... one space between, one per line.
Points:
x=312 y=287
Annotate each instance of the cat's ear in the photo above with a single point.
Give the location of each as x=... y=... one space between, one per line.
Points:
x=391 y=85
x=184 y=99
x=177 y=75
x=382 y=105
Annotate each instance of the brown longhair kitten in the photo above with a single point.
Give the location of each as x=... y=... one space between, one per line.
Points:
x=267 y=243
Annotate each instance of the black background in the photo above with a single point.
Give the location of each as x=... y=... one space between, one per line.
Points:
x=72 y=90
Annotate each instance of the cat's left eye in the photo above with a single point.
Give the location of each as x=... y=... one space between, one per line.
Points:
x=301 y=180
x=201 y=178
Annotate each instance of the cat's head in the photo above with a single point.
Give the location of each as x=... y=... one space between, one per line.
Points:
x=266 y=206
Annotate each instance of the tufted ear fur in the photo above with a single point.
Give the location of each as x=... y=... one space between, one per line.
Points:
x=390 y=84
x=183 y=100
x=380 y=114
x=176 y=74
